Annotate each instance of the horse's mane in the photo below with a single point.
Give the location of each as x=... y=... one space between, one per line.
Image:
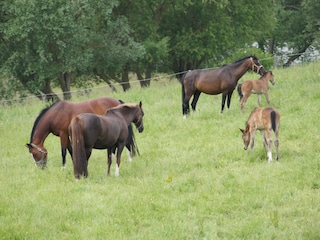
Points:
x=41 y=114
x=122 y=105
x=239 y=60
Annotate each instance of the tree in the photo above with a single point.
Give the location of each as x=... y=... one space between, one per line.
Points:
x=297 y=28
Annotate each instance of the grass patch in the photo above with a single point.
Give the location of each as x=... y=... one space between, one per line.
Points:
x=192 y=180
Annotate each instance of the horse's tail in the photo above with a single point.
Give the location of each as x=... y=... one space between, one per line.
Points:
x=79 y=155
x=240 y=91
x=273 y=116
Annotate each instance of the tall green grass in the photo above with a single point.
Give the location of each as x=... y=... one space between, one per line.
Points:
x=192 y=180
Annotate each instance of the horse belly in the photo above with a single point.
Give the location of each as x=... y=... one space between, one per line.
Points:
x=209 y=87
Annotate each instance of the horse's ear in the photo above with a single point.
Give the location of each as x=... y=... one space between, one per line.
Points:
x=140 y=104
x=241 y=130
x=28 y=145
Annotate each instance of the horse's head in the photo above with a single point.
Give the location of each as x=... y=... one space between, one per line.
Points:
x=138 y=119
x=245 y=138
x=256 y=66
x=39 y=154
x=271 y=78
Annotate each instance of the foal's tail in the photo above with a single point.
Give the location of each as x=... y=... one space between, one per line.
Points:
x=79 y=156
x=131 y=143
x=239 y=91
x=273 y=116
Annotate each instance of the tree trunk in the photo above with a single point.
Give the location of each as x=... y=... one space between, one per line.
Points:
x=49 y=95
x=144 y=82
x=125 y=78
x=65 y=80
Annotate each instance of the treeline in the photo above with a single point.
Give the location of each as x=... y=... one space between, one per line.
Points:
x=62 y=43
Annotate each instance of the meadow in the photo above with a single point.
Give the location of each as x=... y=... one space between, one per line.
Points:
x=192 y=180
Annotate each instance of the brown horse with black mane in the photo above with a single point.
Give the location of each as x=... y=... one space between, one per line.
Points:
x=109 y=131
x=259 y=87
x=56 y=118
x=221 y=80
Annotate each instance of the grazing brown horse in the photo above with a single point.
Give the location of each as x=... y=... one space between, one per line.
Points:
x=109 y=131
x=259 y=87
x=56 y=119
x=266 y=120
x=221 y=80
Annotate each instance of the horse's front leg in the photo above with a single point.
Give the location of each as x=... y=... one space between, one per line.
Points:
x=252 y=141
x=229 y=99
x=119 y=152
x=259 y=99
x=224 y=96
x=267 y=97
x=109 y=155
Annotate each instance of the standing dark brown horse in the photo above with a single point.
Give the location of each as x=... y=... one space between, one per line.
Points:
x=109 y=131
x=56 y=119
x=221 y=80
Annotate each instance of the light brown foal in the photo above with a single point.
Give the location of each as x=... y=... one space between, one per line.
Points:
x=259 y=87
x=266 y=120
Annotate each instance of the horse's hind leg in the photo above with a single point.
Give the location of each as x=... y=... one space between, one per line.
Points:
x=195 y=99
x=119 y=151
x=109 y=153
x=276 y=143
x=185 y=105
x=268 y=144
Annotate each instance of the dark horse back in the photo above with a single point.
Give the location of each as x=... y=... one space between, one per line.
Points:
x=273 y=116
x=131 y=144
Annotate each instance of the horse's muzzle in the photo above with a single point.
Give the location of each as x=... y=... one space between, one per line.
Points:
x=245 y=148
x=140 y=129
x=42 y=164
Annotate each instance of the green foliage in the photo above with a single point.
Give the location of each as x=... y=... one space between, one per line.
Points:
x=192 y=179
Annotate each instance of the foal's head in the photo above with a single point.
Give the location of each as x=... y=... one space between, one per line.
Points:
x=268 y=76
x=245 y=137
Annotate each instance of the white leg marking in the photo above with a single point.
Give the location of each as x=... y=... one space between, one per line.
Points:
x=269 y=156
x=129 y=156
x=117 y=170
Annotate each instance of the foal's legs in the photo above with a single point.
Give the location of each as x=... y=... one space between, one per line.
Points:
x=195 y=99
x=244 y=99
x=276 y=143
x=268 y=144
x=267 y=97
x=259 y=99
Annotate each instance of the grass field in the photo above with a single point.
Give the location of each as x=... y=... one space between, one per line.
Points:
x=192 y=180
